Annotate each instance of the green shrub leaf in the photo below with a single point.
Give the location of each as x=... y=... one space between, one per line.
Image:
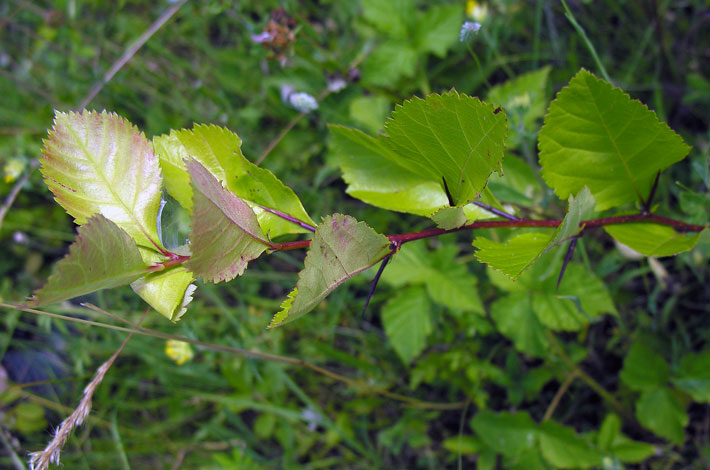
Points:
x=99 y=163
x=407 y=322
x=595 y=134
x=516 y=319
x=662 y=411
x=438 y=29
x=693 y=376
x=506 y=433
x=653 y=239
x=644 y=369
x=219 y=150
x=169 y=292
x=563 y=448
x=225 y=232
x=341 y=248
x=103 y=256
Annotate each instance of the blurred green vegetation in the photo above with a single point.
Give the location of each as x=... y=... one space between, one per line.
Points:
x=220 y=410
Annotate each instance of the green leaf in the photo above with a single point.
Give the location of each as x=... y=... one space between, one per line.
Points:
x=610 y=428
x=438 y=29
x=394 y=18
x=563 y=448
x=612 y=441
x=653 y=239
x=225 y=232
x=595 y=134
x=99 y=163
x=521 y=251
x=370 y=111
x=219 y=151
x=390 y=62
x=693 y=376
x=169 y=292
x=661 y=411
x=341 y=248
x=448 y=282
x=372 y=175
x=524 y=99
x=406 y=320
x=518 y=183
x=464 y=445
x=644 y=369
x=103 y=256
x=506 y=433
x=516 y=319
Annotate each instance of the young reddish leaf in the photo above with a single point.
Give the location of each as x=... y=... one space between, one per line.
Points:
x=595 y=134
x=103 y=256
x=169 y=292
x=99 y=163
x=225 y=232
x=341 y=248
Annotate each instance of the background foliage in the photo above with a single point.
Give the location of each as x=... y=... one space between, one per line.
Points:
x=441 y=327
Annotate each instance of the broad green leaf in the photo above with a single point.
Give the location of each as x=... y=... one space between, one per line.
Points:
x=693 y=376
x=169 y=292
x=661 y=411
x=438 y=29
x=370 y=111
x=596 y=135
x=219 y=150
x=558 y=314
x=99 y=163
x=372 y=175
x=225 y=232
x=653 y=239
x=103 y=256
x=390 y=62
x=644 y=369
x=529 y=459
x=394 y=18
x=448 y=282
x=341 y=248
x=518 y=183
x=516 y=319
x=524 y=99
x=611 y=441
x=610 y=428
x=464 y=445
x=450 y=136
x=563 y=448
x=506 y=433
x=406 y=320
x=521 y=251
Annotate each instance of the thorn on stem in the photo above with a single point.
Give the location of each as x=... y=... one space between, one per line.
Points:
x=448 y=193
x=646 y=207
x=374 y=283
x=568 y=257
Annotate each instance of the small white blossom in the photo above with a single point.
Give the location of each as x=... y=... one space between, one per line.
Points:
x=303 y=102
x=469 y=30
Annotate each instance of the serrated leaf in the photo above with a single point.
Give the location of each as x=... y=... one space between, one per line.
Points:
x=662 y=412
x=524 y=99
x=563 y=448
x=693 y=376
x=515 y=318
x=169 y=292
x=99 y=163
x=521 y=251
x=102 y=257
x=643 y=368
x=618 y=145
x=438 y=29
x=407 y=323
x=506 y=433
x=219 y=150
x=653 y=239
x=341 y=248
x=225 y=232
x=448 y=283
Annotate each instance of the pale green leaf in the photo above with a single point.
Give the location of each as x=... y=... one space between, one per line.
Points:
x=438 y=29
x=407 y=323
x=99 y=163
x=169 y=292
x=219 y=150
x=563 y=448
x=644 y=369
x=341 y=248
x=515 y=318
x=390 y=62
x=225 y=232
x=661 y=411
x=395 y=18
x=653 y=239
x=596 y=135
x=372 y=175
x=506 y=433
x=370 y=111
x=103 y=256
x=524 y=99
x=693 y=376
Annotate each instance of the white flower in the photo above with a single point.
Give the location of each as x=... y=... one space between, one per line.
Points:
x=303 y=102
x=469 y=30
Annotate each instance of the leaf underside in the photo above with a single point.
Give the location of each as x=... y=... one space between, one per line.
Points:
x=169 y=292
x=596 y=135
x=225 y=232
x=99 y=163
x=341 y=248
x=103 y=256
x=653 y=239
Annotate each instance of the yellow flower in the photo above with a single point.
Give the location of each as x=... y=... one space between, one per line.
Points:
x=477 y=11
x=13 y=169
x=178 y=351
